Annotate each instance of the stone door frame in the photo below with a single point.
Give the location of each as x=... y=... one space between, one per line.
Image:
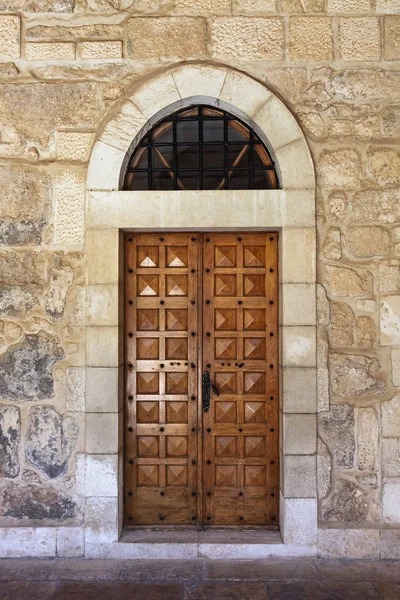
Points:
x=290 y=210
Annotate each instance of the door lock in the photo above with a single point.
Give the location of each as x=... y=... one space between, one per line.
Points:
x=207 y=386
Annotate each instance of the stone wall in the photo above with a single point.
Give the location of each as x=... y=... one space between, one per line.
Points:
x=64 y=65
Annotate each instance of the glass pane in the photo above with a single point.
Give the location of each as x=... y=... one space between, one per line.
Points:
x=239 y=180
x=187 y=131
x=163 y=134
x=213 y=131
x=261 y=180
x=163 y=157
x=237 y=132
x=163 y=181
x=213 y=157
x=261 y=157
x=188 y=180
x=188 y=157
x=139 y=181
x=238 y=156
x=213 y=180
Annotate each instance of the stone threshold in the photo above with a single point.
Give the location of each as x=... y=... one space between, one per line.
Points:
x=211 y=544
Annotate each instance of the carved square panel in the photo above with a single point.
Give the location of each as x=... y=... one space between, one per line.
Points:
x=255 y=412
x=147 y=383
x=254 y=256
x=147 y=412
x=177 y=445
x=147 y=475
x=147 y=320
x=147 y=285
x=177 y=256
x=254 y=319
x=176 y=319
x=225 y=475
x=177 y=475
x=225 y=285
x=254 y=383
x=225 y=412
x=254 y=475
x=225 y=348
x=176 y=383
x=177 y=412
x=147 y=446
x=177 y=285
x=225 y=446
x=147 y=348
x=225 y=256
x=147 y=256
x=254 y=447
x=226 y=383
x=254 y=285
x=225 y=319
x=177 y=348
x=254 y=348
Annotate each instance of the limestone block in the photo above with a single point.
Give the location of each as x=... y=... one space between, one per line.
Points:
x=303 y=6
x=374 y=205
x=102 y=347
x=100 y=50
x=300 y=517
x=300 y=477
x=300 y=434
x=368 y=306
x=156 y=95
x=389 y=276
x=50 y=51
x=102 y=390
x=391 y=457
x=258 y=7
x=74 y=145
x=337 y=206
x=355 y=375
x=245 y=37
x=298 y=255
x=104 y=168
x=336 y=428
x=199 y=80
x=70 y=542
x=323 y=316
x=331 y=248
x=363 y=544
x=349 y=6
x=367 y=439
x=202 y=6
x=340 y=330
x=365 y=332
x=38 y=6
x=390 y=544
x=343 y=281
x=75 y=391
x=278 y=123
x=60 y=277
x=102 y=305
x=102 y=475
x=395 y=358
x=298 y=304
x=101 y=520
x=100 y=31
x=38 y=542
x=296 y=166
x=10 y=435
x=390 y=415
x=360 y=38
x=347 y=504
x=313 y=124
x=124 y=127
x=70 y=203
x=35 y=503
x=391 y=504
x=323 y=395
x=10 y=36
x=310 y=38
x=80 y=474
x=299 y=347
x=339 y=168
x=387 y=6
x=107 y=71
x=102 y=256
x=331 y=543
x=244 y=93
x=392 y=38
x=102 y=433
x=166 y=37
x=299 y=390
x=390 y=321
x=384 y=165
x=367 y=242
x=324 y=470
x=391 y=122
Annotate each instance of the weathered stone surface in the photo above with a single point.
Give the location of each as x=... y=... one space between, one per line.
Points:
x=10 y=433
x=312 y=124
x=353 y=375
x=348 y=6
x=342 y=281
x=390 y=415
x=391 y=121
x=8 y=70
x=324 y=470
x=23 y=215
x=390 y=501
x=75 y=392
x=391 y=457
x=70 y=199
x=50 y=440
x=10 y=26
x=60 y=278
x=340 y=330
x=213 y=6
x=387 y=6
x=390 y=320
x=384 y=165
x=359 y=38
x=374 y=205
x=243 y=37
x=368 y=306
x=339 y=168
x=99 y=31
x=366 y=242
x=166 y=37
x=26 y=368
x=389 y=276
x=322 y=307
x=305 y=6
x=395 y=359
x=331 y=248
x=310 y=38
x=367 y=439
x=35 y=503
x=21 y=281
x=365 y=332
x=369 y=85
x=392 y=38
x=38 y=6
x=336 y=428
x=84 y=71
x=246 y=7
x=337 y=206
x=347 y=504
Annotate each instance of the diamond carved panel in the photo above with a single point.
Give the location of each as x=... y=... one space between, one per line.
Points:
x=147 y=320
x=147 y=256
x=254 y=285
x=225 y=348
x=225 y=285
x=254 y=348
x=177 y=475
x=147 y=383
x=147 y=446
x=226 y=383
x=225 y=446
x=147 y=412
x=254 y=319
x=177 y=348
x=176 y=383
x=225 y=412
x=254 y=447
x=254 y=383
x=254 y=256
x=177 y=412
x=255 y=412
x=177 y=256
x=225 y=319
x=177 y=446
x=225 y=256
x=177 y=285
x=254 y=475
x=176 y=320
x=147 y=348
x=225 y=476
x=147 y=285
x=147 y=475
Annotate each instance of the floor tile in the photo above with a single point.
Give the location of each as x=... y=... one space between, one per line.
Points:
x=15 y=569
x=271 y=570
x=117 y=590
x=27 y=590
x=358 y=570
x=162 y=570
x=322 y=591
x=225 y=591
x=87 y=569
x=388 y=591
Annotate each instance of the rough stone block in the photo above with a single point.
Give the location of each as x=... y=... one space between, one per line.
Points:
x=70 y=542
x=50 y=51
x=390 y=417
x=355 y=375
x=102 y=347
x=37 y=542
x=102 y=433
x=10 y=36
x=390 y=320
x=363 y=544
x=244 y=38
x=390 y=544
x=74 y=145
x=392 y=38
x=387 y=6
x=339 y=168
x=376 y=205
x=75 y=390
x=299 y=390
x=298 y=304
x=310 y=38
x=300 y=433
x=367 y=242
x=202 y=6
x=102 y=390
x=391 y=457
x=389 y=276
x=299 y=347
x=98 y=50
x=258 y=7
x=349 y=6
x=331 y=543
x=102 y=256
x=102 y=475
x=336 y=428
x=391 y=504
x=324 y=470
x=65 y=33
x=300 y=478
x=384 y=164
x=10 y=435
x=360 y=38
x=343 y=281
x=395 y=358
x=102 y=305
x=368 y=439
x=302 y=6
x=70 y=203
x=347 y=504
x=298 y=255
x=101 y=520
x=35 y=503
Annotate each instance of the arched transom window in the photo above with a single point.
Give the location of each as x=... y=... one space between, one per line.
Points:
x=201 y=148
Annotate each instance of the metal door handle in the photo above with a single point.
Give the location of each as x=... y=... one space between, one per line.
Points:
x=207 y=386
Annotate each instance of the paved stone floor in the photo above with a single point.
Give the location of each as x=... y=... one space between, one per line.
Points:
x=44 y=579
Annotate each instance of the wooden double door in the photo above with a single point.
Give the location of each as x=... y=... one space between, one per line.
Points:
x=201 y=307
